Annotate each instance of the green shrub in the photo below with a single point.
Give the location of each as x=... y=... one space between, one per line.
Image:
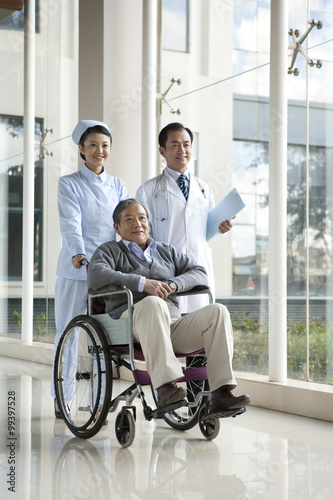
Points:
x=251 y=348
x=41 y=332
x=250 y=345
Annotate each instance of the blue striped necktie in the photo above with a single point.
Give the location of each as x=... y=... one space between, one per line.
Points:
x=182 y=185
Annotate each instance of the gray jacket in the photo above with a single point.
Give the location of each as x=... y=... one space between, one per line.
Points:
x=113 y=264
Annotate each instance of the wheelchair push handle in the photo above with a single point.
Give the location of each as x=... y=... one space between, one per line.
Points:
x=84 y=262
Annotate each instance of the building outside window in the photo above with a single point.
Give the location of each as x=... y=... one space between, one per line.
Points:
x=175 y=22
x=12 y=171
x=234 y=152
x=16 y=20
x=309 y=193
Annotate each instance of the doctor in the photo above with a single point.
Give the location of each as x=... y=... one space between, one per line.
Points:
x=178 y=204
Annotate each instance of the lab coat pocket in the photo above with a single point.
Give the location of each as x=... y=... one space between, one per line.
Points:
x=161 y=210
x=199 y=204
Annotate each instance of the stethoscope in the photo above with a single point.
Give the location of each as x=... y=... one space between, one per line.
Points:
x=164 y=178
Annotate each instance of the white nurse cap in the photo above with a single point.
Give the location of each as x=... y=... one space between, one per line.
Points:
x=82 y=126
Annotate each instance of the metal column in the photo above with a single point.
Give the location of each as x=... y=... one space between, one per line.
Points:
x=278 y=193
x=149 y=79
x=28 y=172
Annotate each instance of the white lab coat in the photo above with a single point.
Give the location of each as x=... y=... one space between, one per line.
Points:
x=180 y=223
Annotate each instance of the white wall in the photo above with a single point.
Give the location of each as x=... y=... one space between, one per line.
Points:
x=114 y=94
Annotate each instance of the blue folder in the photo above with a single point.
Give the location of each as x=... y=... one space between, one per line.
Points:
x=226 y=209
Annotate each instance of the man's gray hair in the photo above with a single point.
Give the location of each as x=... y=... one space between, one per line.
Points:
x=122 y=206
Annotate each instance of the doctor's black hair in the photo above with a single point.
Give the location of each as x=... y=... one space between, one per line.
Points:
x=163 y=135
x=97 y=129
x=122 y=206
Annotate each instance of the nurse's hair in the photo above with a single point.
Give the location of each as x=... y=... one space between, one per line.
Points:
x=163 y=135
x=122 y=206
x=97 y=129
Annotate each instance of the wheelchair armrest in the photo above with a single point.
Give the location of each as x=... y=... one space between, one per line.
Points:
x=108 y=291
x=197 y=290
x=194 y=291
x=120 y=289
x=105 y=290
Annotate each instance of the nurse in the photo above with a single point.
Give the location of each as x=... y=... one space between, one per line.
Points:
x=86 y=201
x=178 y=204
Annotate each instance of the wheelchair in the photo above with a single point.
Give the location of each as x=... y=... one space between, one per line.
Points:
x=95 y=346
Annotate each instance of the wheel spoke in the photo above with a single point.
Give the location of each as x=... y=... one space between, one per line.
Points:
x=83 y=376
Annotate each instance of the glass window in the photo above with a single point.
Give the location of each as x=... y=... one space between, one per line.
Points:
x=250 y=238
x=12 y=171
x=251 y=176
x=320 y=216
x=309 y=192
x=57 y=108
x=16 y=20
x=175 y=25
x=251 y=39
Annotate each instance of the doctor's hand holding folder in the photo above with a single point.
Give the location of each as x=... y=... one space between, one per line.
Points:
x=226 y=209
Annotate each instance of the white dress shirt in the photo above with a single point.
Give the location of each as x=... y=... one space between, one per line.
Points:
x=141 y=254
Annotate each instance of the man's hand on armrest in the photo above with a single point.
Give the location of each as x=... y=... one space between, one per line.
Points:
x=158 y=288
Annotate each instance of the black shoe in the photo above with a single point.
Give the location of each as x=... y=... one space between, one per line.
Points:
x=169 y=394
x=229 y=401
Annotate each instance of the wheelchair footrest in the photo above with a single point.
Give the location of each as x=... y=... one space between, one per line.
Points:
x=159 y=412
x=85 y=408
x=225 y=414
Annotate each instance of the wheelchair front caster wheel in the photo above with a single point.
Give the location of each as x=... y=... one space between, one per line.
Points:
x=209 y=426
x=125 y=428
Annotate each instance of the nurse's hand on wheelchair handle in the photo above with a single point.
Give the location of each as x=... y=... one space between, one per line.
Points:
x=79 y=260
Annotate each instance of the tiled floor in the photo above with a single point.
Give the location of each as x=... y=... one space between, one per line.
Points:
x=259 y=455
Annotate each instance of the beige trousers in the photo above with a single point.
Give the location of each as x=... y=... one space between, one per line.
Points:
x=160 y=338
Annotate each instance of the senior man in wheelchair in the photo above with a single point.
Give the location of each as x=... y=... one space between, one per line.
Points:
x=154 y=272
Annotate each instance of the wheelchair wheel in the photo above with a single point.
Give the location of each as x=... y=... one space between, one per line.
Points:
x=125 y=428
x=209 y=426
x=83 y=376
x=185 y=417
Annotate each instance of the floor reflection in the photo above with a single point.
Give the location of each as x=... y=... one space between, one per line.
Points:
x=93 y=469
x=261 y=455
x=178 y=468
